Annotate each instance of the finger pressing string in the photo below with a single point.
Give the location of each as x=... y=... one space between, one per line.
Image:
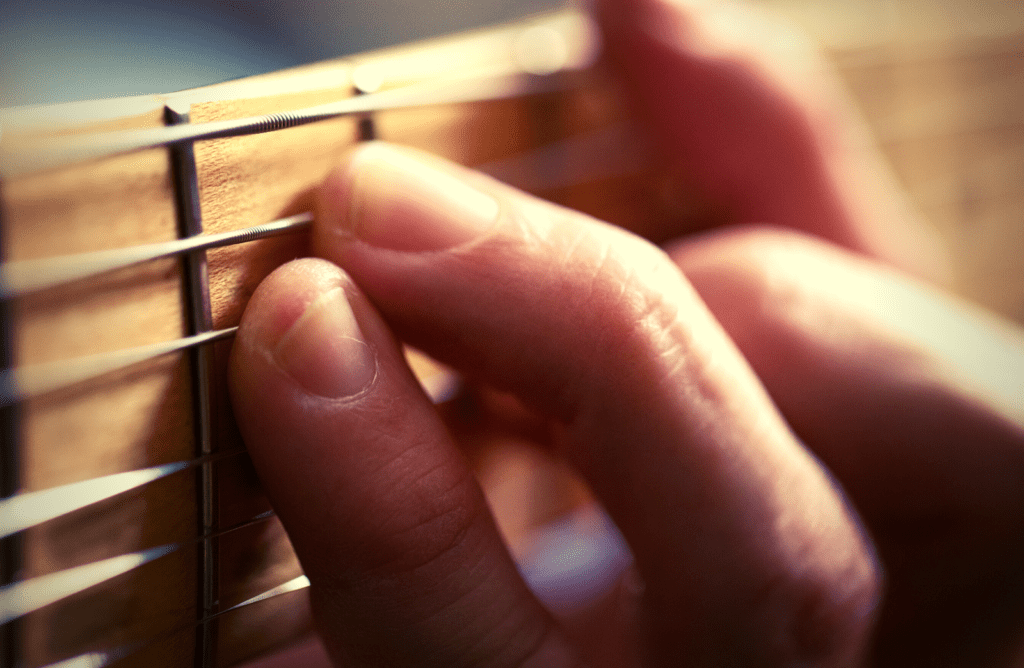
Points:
x=405 y=563
x=748 y=552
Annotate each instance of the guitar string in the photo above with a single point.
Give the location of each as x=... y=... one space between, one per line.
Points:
x=295 y=584
x=100 y=659
x=502 y=82
x=24 y=597
x=96 y=659
x=93 y=659
x=29 y=509
x=533 y=56
x=26 y=382
x=24 y=277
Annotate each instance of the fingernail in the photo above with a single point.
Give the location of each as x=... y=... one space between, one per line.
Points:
x=324 y=349
x=401 y=202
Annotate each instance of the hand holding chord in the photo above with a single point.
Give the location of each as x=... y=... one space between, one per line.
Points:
x=772 y=428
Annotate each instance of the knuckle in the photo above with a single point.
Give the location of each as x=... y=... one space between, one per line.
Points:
x=634 y=291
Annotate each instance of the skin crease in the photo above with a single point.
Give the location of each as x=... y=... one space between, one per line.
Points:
x=806 y=473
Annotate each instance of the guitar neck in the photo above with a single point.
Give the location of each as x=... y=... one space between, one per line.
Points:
x=177 y=559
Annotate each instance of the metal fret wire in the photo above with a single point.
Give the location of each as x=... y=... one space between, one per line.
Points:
x=197 y=289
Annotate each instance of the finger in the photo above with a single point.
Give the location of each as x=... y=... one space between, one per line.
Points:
x=748 y=552
x=405 y=563
x=742 y=106
x=916 y=402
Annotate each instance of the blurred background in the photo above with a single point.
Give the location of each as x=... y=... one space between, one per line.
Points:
x=60 y=50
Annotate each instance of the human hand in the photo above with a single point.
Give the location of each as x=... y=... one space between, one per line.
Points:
x=747 y=548
x=748 y=551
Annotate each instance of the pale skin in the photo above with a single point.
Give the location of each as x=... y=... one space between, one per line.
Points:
x=816 y=458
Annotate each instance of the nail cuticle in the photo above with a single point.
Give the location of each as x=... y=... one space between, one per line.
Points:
x=325 y=351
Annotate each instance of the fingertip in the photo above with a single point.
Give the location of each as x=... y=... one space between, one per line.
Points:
x=397 y=198
x=283 y=296
x=383 y=511
x=300 y=323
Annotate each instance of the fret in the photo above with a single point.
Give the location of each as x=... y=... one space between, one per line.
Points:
x=197 y=296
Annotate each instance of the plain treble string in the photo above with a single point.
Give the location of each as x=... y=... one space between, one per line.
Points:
x=29 y=509
x=24 y=597
x=26 y=382
x=27 y=276
x=101 y=659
